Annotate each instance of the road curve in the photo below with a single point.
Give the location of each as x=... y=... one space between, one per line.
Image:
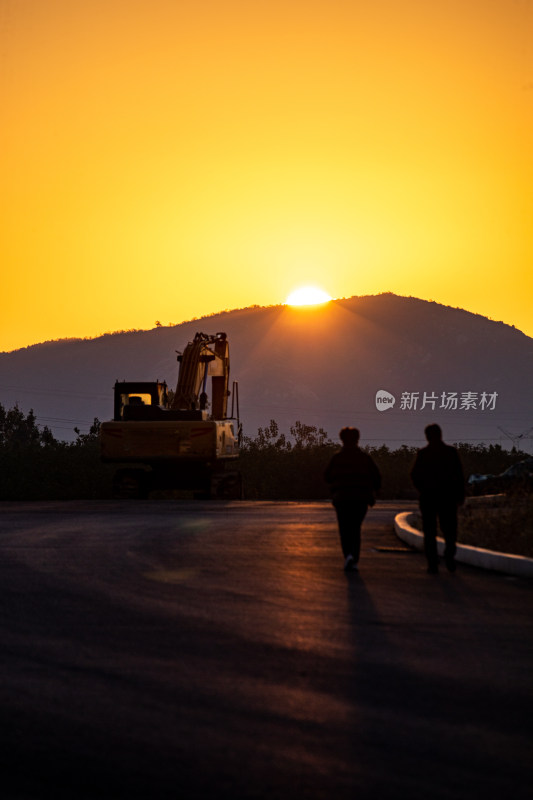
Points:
x=217 y=650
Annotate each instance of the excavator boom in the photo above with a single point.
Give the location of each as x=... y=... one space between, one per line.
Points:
x=204 y=356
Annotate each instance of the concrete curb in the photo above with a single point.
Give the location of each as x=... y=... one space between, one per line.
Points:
x=466 y=554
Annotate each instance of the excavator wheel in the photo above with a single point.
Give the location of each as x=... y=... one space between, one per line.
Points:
x=230 y=487
x=130 y=484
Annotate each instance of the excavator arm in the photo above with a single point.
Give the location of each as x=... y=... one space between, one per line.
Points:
x=207 y=355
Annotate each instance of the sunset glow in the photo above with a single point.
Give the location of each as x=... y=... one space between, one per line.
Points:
x=307 y=296
x=164 y=161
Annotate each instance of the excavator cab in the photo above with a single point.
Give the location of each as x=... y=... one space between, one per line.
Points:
x=139 y=400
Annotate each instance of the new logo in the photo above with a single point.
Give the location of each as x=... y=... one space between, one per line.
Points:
x=384 y=400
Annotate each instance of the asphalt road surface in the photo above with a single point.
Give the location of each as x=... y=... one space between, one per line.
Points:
x=167 y=649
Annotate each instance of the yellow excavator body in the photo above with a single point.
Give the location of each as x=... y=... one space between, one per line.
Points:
x=180 y=440
x=163 y=441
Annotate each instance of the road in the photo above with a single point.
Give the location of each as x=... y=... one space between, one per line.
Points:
x=166 y=649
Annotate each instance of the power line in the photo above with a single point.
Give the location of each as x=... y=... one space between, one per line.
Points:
x=56 y=392
x=489 y=415
x=62 y=419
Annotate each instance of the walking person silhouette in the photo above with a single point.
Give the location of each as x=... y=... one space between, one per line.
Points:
x=438 y=475
x=353 y=479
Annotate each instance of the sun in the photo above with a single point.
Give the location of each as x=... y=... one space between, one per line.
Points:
x=307 y=296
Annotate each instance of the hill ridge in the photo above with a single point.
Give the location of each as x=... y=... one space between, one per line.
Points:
x=321 y=365
x=222 y=312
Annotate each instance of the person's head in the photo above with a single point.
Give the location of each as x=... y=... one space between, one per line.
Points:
x=349 y=437
x=433 y=433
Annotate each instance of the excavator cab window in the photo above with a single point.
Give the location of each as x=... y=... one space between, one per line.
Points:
x=138 y=400
x=134 y=400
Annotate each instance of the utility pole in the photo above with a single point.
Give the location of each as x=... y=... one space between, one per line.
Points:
x=516 y=438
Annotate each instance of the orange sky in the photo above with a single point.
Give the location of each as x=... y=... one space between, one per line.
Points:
x=163 y=160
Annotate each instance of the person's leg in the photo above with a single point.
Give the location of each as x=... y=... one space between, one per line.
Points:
x=359 y=510
x=429 y=526
x=448 y=526
x=343 y=519
x=350 y=516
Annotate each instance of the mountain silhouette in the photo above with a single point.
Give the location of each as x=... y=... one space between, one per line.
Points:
x=321 y=365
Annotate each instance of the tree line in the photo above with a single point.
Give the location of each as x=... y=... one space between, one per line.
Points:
x=277 y=467
x=34 y=465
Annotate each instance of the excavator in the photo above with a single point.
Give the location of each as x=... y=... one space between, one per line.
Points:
x=180 y=441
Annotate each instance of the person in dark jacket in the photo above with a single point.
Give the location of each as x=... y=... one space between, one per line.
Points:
x=353 y=479
x=438 y=476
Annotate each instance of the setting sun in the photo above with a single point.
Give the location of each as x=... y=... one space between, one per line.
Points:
x=307 y=296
